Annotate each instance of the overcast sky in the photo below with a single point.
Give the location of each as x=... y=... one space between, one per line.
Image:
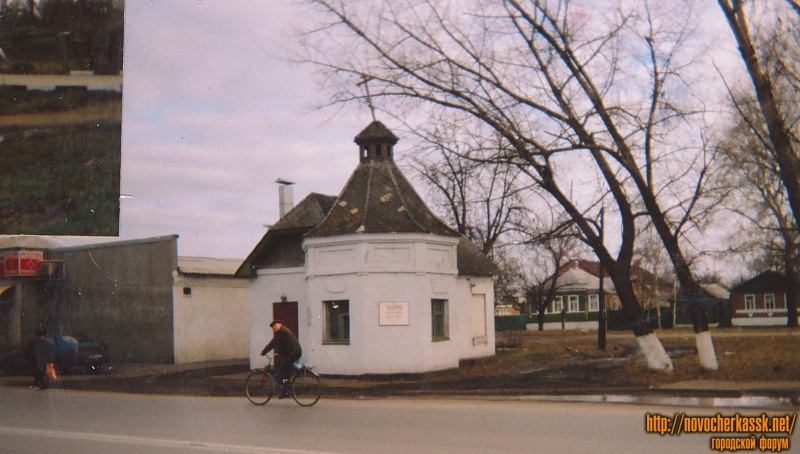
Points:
x=213 y=115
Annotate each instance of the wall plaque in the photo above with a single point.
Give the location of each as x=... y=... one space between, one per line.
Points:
x=393 y=313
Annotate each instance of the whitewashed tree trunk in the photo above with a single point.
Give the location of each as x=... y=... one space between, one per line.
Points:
x=657 y=358
x=705 y=349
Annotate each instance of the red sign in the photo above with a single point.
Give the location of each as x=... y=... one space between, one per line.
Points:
x=22 y=263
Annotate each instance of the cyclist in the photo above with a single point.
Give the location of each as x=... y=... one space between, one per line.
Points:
x=288 y=349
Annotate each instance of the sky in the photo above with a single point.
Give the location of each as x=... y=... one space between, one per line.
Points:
x=213 y=114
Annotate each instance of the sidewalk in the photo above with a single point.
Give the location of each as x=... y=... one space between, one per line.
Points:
x=226 y=378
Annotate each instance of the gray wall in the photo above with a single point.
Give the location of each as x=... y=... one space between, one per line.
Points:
x=120 y=293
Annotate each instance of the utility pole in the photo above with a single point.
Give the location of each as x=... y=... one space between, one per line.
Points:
x=601 y=315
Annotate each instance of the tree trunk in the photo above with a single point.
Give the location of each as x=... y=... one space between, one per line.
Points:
x=790 y=266
x=657 y=358
x=541 y=318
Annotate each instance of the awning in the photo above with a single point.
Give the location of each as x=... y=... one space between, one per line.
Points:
x=3 y=288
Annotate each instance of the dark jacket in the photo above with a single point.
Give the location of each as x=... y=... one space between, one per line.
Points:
x=39 y=352
x=285 y=344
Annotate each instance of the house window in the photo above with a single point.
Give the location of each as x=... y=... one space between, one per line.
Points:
x=439 y=320
x=337 y=322
x=573 y=303
x=594 y=303
x=750 y=302
x=769 y=301
x=187 y=291
x=558 y=305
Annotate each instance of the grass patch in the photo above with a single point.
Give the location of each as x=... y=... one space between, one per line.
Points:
x=61 y=181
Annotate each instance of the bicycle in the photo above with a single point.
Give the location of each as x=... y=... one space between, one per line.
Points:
x=304 y=384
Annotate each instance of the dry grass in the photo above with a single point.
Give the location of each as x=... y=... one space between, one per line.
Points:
x=743 y=354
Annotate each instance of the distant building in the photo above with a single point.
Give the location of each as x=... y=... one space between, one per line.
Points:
x=760 y=301
x=577 y=294
x=371 y=281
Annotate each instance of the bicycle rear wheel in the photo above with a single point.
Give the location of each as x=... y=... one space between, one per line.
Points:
x=260 y=386
x=306 y=388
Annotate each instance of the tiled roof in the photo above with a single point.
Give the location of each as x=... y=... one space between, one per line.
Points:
x=376 y=131
x=308 y=213
x=281 y=246
x=379 y=199
x=376 y=199
x=471 y=261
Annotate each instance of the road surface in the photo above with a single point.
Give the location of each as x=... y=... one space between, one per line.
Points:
x=80 y=422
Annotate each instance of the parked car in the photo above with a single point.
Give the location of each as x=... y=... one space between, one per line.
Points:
x=72 y=353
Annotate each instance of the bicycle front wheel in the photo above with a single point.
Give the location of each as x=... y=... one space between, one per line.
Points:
x=260 y=386
x=306 y=388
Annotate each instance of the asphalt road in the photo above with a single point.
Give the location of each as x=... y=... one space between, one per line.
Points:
x=81 y=422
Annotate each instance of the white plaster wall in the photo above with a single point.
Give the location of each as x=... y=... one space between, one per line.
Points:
x=759 y=321
x=213 y=323
x=556 y=326
x=469 y=345
x=367 y=270
x=382 y=349
x=268 y=288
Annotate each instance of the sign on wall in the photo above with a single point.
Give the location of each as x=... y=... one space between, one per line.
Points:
x=393 y=313
x=22 y=263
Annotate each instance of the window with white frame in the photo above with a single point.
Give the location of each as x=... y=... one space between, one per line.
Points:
x=574 y=306
x=594 y=303
x=558 y=305
x=769 y=301
x=750 y=302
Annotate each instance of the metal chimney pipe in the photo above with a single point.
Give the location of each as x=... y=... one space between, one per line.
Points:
x=285 y=196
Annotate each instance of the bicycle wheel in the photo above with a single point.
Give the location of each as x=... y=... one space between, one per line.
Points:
x=306 y=388
x=260 y=387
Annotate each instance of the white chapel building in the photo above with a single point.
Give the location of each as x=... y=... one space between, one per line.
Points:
x=371 y=281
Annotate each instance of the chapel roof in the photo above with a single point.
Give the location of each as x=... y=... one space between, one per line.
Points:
x=378 y=198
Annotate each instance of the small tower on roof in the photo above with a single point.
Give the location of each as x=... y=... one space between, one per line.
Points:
x=376 y=143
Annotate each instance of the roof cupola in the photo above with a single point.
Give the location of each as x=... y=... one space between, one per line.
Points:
x=375 y=143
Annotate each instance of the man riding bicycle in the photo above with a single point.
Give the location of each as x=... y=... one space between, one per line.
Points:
x=288 y=349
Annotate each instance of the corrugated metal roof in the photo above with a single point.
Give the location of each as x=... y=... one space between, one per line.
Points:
x=716 y=290
x=26 y=242
x=768 y=281
x=208 y=265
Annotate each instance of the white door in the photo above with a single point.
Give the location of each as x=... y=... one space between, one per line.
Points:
x=478 y=316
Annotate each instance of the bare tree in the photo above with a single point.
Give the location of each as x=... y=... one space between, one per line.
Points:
x=564 y=92
x=763 y=150
x=769 y=238
x=483 y=201
x=783 y=146
x=552 y=250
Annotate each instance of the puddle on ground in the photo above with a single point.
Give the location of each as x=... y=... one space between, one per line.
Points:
x=723 y=402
